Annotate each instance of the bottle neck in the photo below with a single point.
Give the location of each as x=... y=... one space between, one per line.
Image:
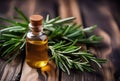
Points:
x=36 y=29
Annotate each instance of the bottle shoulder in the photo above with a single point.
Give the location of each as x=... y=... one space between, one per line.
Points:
x=36 y=37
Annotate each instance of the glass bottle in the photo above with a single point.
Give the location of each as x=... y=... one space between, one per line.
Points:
x=36 y=43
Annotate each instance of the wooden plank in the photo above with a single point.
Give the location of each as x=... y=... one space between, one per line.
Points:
x=76 y=75
x=69 y=8
x=81 y=76
x=100 y=15
x=47 y=73
x=10 y=71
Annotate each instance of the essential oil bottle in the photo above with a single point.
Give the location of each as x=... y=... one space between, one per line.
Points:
x=36 y=43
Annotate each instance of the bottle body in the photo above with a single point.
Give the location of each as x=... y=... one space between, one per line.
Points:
x=36 y=49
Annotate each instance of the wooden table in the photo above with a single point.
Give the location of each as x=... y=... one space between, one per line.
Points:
x=103 y=13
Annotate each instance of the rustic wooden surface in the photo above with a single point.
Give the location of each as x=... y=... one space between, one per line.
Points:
x=103 y=13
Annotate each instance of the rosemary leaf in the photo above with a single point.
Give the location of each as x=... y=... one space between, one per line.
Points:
x=63 y=35
x=66 y=20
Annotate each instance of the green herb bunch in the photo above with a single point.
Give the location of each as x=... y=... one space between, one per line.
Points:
x=64 y=36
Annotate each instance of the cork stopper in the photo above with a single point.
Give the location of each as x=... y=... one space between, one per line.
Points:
x=36 y=20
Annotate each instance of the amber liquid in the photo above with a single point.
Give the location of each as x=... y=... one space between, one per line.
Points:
x=36 y=53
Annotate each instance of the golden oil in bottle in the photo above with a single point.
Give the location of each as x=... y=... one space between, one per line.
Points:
x=36 y=43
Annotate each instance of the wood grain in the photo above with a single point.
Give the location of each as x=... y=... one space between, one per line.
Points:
x=100 y=15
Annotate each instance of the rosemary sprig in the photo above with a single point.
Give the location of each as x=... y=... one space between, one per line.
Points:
x=64 y=35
